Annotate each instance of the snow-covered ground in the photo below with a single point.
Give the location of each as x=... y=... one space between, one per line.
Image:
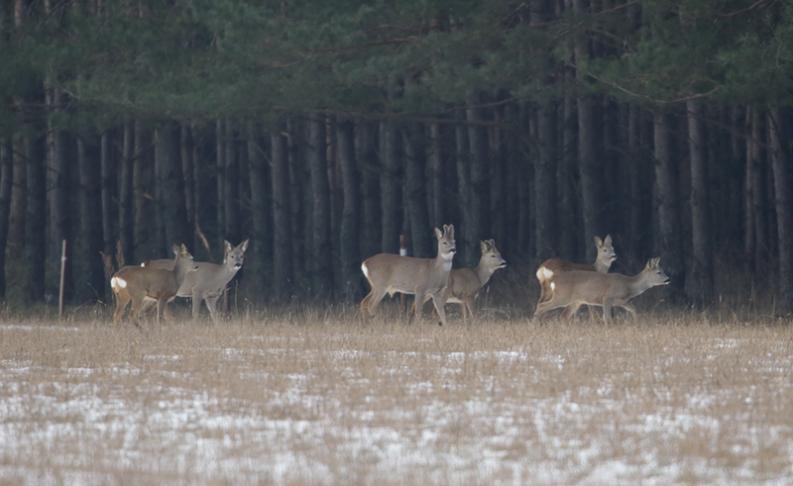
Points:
x=291 y=408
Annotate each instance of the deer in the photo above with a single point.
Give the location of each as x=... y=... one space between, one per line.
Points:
x=605 y=258
x=607 y=290
x=209 y=281
x=425 y=278
x=465 y=283
x=137 y=284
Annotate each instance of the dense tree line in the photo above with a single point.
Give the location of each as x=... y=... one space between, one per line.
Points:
x=324 y=130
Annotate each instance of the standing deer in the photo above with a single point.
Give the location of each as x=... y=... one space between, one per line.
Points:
x=136 y=284
x=605 y=257
x=607 y=290
x=425 y=278
x=209 y=281
x=465 y=283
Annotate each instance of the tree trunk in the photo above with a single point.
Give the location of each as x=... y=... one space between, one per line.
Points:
x=15 y=248
x=231 y=201
x=126 y=235
x=56 y=182
x=108 y=189
x=261 y=218
x=545 y=184
x=389 y=188
x=91 y=272
x=366 y=156
x=590 y=170
x=188 y=174
x=463 y=167
x=783 y=185
x=6 y=178
x=669 y=242
x=415 y=180
x=142 y=183
x=477 y=140
x=700 y=288
x=220 y=173
x=169 y=178
x=437 y=176
x=35 y=222
x=349 y=240
x=498 y=159
x=300 y=201
x=283 y=238
x=757 y=169
x=322 y=257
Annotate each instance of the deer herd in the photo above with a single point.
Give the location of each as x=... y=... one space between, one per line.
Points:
x=563 y=284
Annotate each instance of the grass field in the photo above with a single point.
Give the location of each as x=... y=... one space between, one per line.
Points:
x=318 y=399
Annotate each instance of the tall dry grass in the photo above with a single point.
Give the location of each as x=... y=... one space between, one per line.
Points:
x=321 y=396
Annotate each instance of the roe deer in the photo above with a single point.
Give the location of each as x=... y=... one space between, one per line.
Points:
x=605 y=257
x=209 y=281
x=603 y=289
x=425 y=278
x=465 y=283
x=136 y=284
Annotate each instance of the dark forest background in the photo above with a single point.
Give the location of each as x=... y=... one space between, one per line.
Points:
x=322 y=130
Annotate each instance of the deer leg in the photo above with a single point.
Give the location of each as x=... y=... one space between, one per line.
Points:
x=121 y=306
x=570 y=311
x=211 y=306
x=607 y=310
x=374 y=300
x=469 y=305
x=196 y=304
x=630 y=309
x=439 y=304
x=418 y=304
x=363 y=306
x=137 y=307
x=543 y=307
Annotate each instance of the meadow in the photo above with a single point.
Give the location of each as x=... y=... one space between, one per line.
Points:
x=322 y=397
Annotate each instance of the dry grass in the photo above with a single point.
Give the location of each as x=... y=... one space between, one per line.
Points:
x=316 y=398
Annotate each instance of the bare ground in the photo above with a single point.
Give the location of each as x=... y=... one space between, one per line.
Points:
x=317 y=398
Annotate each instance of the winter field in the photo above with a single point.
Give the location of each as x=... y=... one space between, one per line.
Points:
x=319 y=399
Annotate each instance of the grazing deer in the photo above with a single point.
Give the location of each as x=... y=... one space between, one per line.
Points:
x=607 y=290
x=209 y=281
x=425 y=278
x=605 y=257
x=136 y=284
x=465 y=283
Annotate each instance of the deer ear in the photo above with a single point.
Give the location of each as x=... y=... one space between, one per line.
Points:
x=607 y=240
x=598 y=241
x=227 y=246
x=484 y=246
x=438 y=233
x=175 y=249
x=244 y=245
x=492 y=243
x=185 y=251
x=451 y=231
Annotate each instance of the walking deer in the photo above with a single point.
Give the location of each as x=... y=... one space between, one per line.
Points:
x=465 y=283
x=607 y=290
x=136 y=284
x=209 y=281
x=605 y=257
x=425 y=278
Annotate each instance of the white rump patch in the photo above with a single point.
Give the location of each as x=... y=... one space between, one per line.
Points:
x=553 y=285
x=365 y=270
x=403 y=252
x=544 y=273
x=118 y=283
x=142 y=264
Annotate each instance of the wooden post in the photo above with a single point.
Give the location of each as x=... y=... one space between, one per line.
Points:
x=62 y=281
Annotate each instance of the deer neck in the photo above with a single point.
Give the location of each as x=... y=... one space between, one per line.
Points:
x=601 y=265
x=483 y=273
x=638 y=284
x=443 y=264
x=180 y=269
